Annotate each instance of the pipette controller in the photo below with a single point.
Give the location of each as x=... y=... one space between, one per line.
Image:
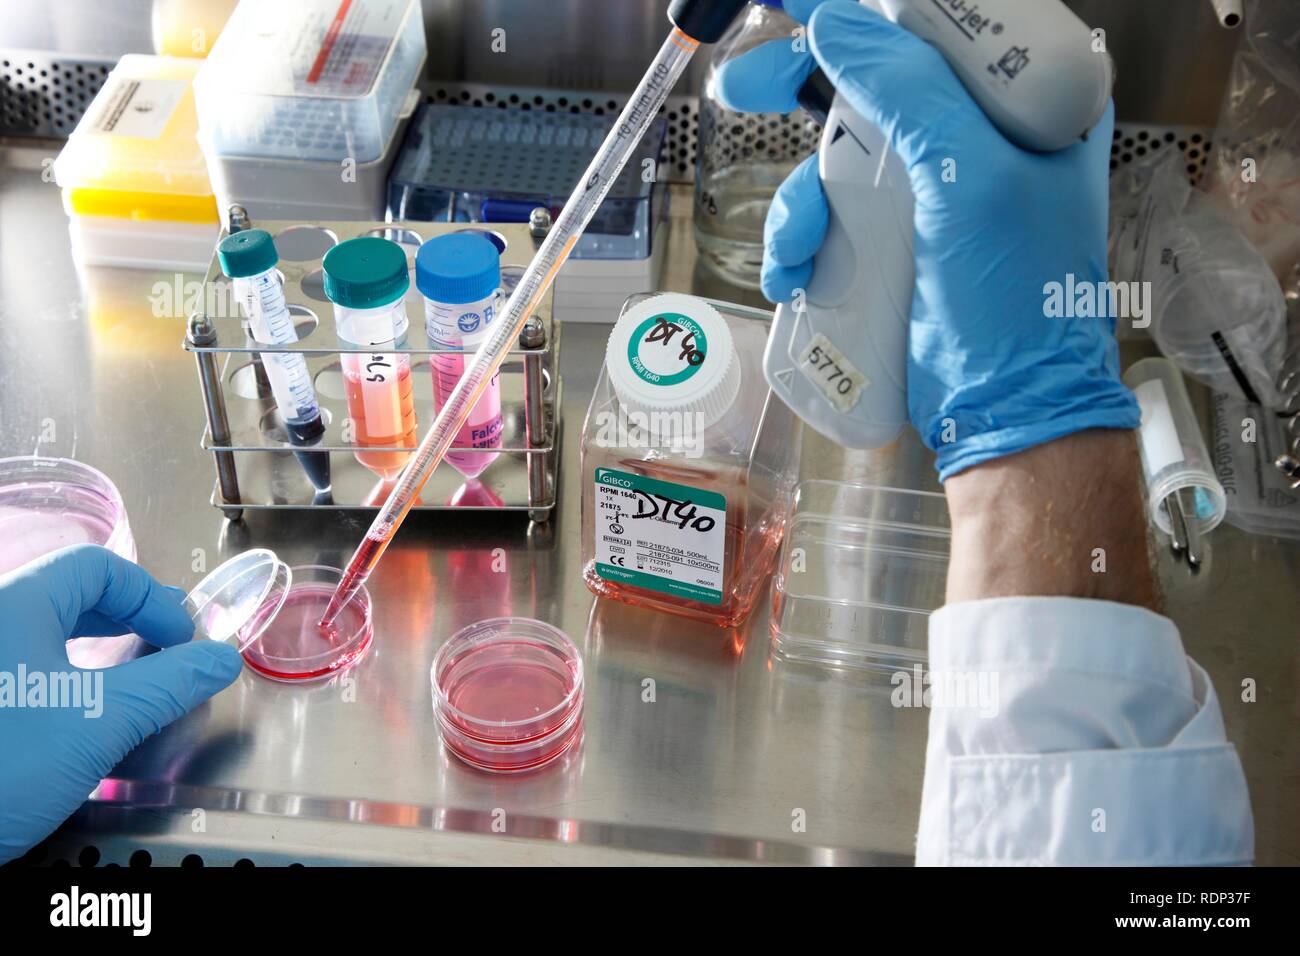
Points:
x=694 y=22
x=838 y=354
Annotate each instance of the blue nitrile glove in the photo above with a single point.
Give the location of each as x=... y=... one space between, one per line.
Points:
x=51 y=758
x=989 y=374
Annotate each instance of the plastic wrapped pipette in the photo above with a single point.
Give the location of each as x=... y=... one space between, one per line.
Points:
x=694 y=21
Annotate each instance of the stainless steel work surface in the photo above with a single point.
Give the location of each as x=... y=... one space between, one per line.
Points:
x=737 y=757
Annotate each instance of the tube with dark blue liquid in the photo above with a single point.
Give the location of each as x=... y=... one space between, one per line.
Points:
x=249 y=258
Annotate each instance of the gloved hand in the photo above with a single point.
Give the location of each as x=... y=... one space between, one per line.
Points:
x=52 y=757
x=989 y=373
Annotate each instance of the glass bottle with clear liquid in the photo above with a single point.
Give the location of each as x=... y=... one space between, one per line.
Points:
x=744 y=157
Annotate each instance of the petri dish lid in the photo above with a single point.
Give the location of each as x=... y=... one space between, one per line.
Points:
x=237 y=601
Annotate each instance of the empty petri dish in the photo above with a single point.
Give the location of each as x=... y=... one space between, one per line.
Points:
x=270 y=612
x=507 y=694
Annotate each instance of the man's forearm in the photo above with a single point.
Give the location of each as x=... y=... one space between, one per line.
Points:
x=1064 y=518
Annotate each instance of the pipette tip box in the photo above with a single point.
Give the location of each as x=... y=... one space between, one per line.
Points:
x=494 y=164
x=301 y=105
x=134 y=183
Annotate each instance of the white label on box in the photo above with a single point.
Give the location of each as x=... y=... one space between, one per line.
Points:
x=321 y=47
x=1160 y=444
x=823 y=364
x=139 y=108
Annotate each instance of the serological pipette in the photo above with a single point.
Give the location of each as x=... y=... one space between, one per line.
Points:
x=694 y=22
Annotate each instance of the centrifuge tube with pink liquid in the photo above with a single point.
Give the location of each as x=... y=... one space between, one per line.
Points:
x=459 y=276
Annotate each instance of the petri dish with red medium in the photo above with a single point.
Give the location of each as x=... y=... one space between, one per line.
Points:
x=507 y=694
x=271 y=611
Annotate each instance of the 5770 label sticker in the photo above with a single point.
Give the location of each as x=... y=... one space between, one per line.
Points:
x=834 y=375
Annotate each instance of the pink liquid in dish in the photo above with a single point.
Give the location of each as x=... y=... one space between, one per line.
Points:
x=295 y=647
x=26 y=535
x=510 y=703
x=37 y=517
x=507 y=682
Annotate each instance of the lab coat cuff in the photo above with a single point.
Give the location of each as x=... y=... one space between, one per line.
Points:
x=1148 y=807
x=1077 y=732
x=1099 y=638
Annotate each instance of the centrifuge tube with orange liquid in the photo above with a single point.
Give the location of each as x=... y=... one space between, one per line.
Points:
x=382 y=416
x=367 y=279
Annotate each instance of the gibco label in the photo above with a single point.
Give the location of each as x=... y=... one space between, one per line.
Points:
x=834 y=375
x=660 y=536
x=667 y=349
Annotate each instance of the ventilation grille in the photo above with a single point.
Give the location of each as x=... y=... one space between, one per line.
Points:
x=787 y=137
x=740 y=138
x=1136 y=142
x=43 y=95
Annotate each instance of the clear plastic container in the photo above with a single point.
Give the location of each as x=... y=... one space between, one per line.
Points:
x=134 y=182
x=1174 y=456
x=507 y=694
x=687 y=476
x=484 y=164
x=743 y=157
x=861 y=570
x=271 y=611
x=307 y=190
x=309 y=80
x=52 y=503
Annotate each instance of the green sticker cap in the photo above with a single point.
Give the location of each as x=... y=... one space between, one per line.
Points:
x=247 y=253
x=366 y=273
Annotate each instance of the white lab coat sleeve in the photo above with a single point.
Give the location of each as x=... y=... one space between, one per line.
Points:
x=1074 y=732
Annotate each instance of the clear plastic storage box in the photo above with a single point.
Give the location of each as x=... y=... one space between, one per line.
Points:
x=310 y=79
x=134 y=182
x=862 y=567
x=488 y=164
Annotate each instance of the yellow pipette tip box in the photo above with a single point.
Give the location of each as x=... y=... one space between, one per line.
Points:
x=135 y=184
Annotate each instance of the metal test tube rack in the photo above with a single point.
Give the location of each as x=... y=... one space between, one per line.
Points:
x=255 y=467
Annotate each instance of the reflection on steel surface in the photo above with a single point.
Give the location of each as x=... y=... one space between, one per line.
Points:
x=115 y=794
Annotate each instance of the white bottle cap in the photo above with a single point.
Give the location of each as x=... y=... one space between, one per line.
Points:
x=674 y=353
